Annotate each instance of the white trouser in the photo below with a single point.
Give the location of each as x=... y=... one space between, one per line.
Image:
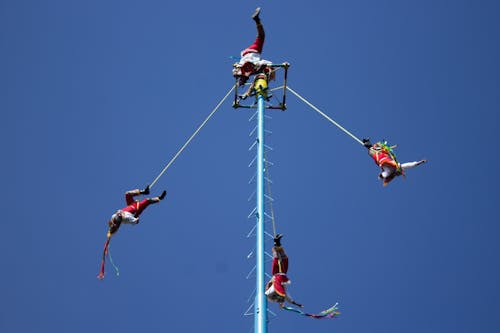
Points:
x=270 y=290
x=388 y=170
x=127 y=217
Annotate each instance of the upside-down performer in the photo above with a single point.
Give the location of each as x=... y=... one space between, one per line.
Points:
x=128 y=215
x=384 y=157
x=276 y=287
x=251 y=62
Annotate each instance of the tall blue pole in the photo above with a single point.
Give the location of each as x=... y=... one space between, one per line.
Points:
x=260 y=305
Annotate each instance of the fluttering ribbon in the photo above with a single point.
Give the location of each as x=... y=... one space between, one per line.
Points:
x=104 y=254
x=331 y=312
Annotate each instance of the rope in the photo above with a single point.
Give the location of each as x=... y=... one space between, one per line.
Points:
x=191 y=138
x=324 y=115
x=272 y=208
x=270 y=194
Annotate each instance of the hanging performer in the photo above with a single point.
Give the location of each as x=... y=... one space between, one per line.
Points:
x=384 y=157
x=128 y=215
x=251 y=62
x=276 y=287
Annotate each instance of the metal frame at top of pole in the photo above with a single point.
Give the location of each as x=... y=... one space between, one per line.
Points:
x=260 y=305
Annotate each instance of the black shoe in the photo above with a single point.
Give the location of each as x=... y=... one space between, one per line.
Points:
x=255 y=15
x=277 y=240
x=242 y=80
x=367 y=143
x=145 y=191
x=162 y=195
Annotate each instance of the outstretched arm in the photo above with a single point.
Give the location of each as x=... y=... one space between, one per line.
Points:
x=409 y=165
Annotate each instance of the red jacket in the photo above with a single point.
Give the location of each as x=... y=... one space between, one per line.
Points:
x=382 y=157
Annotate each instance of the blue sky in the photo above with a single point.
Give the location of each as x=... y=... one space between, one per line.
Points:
x=96 y=98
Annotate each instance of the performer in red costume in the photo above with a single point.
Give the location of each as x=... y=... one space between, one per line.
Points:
x=251 y=62
x=384 y=157
x=276 y=287
x=130 y=213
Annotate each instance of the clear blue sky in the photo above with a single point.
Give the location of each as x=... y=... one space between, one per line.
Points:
x=97 y=96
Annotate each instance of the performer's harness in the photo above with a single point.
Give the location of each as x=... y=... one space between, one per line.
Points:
x=388 y=156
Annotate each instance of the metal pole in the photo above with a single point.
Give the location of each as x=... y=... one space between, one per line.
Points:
x=260 y=307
